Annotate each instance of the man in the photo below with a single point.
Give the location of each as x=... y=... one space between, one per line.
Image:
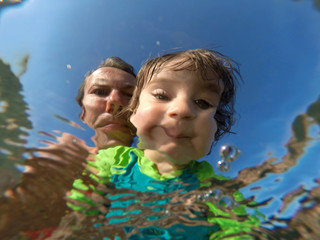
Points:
x=37 y=204
x=104 y=92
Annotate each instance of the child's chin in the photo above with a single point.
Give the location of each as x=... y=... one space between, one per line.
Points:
x=180 y=159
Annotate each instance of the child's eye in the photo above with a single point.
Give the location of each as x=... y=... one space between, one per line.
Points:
x=160 y=94
x=161 y=97
x=203 y=104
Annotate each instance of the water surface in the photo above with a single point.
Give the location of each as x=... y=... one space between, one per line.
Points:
x=47 y=47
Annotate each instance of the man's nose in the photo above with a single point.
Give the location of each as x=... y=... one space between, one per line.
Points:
x=181 y=109
x=114 y=102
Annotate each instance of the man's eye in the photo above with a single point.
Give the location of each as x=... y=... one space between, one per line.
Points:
x=203 y=104
x=126 y=94
x=100 y=92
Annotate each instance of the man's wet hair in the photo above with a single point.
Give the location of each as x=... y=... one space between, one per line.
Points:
x=114 y=62
x=201 y=61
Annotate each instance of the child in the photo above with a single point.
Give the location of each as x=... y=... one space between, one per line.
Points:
x=183 y=103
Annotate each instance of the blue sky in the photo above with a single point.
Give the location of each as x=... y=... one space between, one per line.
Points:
x=277 y=44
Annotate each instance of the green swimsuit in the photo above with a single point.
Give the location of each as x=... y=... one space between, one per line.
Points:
x=128 y=168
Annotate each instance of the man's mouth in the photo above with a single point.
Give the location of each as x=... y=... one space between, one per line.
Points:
x=113 y=126
x=107 y=120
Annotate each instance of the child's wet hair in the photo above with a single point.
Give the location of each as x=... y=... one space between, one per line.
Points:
x=201 y=61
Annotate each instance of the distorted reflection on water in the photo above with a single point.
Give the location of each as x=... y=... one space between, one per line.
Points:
x=44 y=172
x=40 y=195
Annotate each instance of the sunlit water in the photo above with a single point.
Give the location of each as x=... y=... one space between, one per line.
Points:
x=294 y=215
x=297 y=218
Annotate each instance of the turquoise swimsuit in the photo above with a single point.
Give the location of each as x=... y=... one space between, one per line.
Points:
x=128 y=168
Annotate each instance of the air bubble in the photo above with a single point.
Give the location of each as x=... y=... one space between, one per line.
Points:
x=226 y=201
x=213 y=194
x=223 y=165
x=229 y=152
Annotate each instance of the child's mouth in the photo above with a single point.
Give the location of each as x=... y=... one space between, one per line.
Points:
x=175 y=134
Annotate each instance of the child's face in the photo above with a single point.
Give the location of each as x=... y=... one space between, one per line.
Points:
x=176 y=112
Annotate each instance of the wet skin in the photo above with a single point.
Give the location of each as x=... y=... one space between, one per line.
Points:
x=106 y=92
x=175 y=114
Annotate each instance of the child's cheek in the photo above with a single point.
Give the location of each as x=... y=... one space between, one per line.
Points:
x=140 y=121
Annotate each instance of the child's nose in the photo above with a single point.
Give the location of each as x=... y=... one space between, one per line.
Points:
x=181 y=109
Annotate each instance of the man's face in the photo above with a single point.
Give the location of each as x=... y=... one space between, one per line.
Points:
x=106 y=92
x=176 y=113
